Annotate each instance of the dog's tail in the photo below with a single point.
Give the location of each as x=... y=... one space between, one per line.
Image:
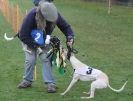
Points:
x=118 y=90
x=11 y=38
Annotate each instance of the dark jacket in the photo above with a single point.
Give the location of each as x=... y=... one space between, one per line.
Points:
x=29 y=23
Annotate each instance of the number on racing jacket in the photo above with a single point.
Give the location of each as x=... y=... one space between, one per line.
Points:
x=89 y=71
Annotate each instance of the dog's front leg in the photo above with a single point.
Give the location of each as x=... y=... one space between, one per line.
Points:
x=74 y=80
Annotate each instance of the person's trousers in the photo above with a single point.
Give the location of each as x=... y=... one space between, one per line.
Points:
x=30 y=61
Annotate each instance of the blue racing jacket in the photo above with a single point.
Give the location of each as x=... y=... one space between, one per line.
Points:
x=29 y=23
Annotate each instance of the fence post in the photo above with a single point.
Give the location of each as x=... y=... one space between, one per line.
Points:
x=109 y=6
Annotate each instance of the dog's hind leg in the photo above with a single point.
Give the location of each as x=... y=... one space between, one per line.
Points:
x=98 y=84
x=74 y=80
x=91 y=92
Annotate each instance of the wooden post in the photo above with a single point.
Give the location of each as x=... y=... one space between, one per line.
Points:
x=35 y=73
x=18 y=19
x=109 y=6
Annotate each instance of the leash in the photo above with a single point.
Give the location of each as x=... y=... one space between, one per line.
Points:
x=55 y=43
x=71 y=50
x=55 y=55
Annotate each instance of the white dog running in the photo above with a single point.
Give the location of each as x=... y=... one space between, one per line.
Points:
x=84 y=72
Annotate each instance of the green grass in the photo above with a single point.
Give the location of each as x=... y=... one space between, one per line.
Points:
x=103 y=41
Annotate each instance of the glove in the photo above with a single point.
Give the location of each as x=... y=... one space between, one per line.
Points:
x=47 y=41
x=70 y=41
x=39 y=50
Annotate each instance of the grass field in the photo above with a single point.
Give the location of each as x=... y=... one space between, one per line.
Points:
x=103 y=41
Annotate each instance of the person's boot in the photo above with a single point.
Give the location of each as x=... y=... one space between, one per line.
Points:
x=51 y=88
x=24 y=84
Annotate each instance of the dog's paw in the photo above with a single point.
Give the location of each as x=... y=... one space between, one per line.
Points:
x=86 y=93
x=86 y=97
x=83 y=97
x=62 y=94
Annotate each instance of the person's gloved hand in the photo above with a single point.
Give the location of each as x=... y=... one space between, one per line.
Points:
x=39 y=51
x=47 y=41
x=70 y=41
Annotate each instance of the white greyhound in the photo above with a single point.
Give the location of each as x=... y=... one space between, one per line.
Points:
x=84 y=72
